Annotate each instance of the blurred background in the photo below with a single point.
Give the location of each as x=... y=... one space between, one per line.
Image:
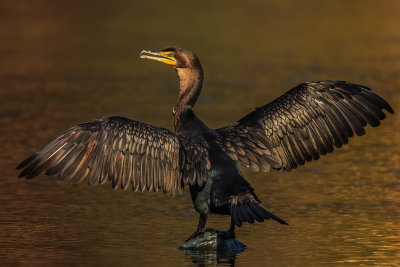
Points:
x=66 y=62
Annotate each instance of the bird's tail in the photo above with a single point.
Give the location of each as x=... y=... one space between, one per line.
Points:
x=251 y=211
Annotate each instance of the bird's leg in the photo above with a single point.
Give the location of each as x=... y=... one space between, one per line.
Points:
x=201 y=228
x=230 y=233
x=232 y=229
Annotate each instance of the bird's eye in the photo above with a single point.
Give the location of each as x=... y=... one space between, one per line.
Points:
x=171 y=54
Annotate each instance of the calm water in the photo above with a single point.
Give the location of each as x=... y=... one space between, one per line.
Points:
x=64 y=62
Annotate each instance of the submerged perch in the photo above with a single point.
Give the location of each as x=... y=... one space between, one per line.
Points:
x=213 y=240
x=302 y=124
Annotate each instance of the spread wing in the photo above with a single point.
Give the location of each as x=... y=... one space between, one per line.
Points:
x=302 y=124
x=124 y=151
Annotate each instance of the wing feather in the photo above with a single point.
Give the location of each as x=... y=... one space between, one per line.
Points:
x=123 y=151
x=304 y=123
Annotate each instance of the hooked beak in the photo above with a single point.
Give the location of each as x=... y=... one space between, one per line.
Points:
x=164 y=57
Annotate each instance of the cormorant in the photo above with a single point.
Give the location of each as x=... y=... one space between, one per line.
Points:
x=302 y=124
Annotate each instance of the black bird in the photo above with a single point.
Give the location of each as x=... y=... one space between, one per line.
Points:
x=302 y=124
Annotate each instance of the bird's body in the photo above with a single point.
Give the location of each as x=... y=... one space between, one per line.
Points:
x=304 y=123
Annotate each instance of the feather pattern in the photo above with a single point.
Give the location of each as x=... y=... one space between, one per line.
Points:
x=125 y=152
x=246 y=208
x=302 y=124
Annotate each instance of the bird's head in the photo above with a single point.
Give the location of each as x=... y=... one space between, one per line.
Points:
x=176 y=57
x=189 y=71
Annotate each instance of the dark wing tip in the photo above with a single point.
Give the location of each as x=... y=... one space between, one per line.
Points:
x=25 y=163
x=283 y=222
x=27 y=169
x=382 y=103
x=389 y=108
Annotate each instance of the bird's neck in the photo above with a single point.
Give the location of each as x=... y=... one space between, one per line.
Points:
x=190 y=83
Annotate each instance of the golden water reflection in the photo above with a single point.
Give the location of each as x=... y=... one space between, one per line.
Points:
x=63 y=63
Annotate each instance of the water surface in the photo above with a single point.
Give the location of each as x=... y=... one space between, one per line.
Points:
x=63 y=63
